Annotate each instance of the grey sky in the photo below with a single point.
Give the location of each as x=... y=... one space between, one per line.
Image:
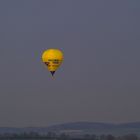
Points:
x=99 y=79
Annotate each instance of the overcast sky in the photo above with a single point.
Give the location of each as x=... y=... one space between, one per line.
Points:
x=99 y=80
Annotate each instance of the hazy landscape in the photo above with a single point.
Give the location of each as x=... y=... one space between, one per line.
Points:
x=78 y=129
x=75 y=131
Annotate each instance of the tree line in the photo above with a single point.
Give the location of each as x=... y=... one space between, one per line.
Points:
x=63 y=136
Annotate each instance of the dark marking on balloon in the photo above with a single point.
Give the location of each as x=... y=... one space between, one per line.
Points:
x=47 y=63
x=56 y=62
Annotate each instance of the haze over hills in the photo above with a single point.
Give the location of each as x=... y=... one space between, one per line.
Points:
x=80 y=128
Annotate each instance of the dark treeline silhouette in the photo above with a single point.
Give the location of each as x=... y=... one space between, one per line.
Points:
x=63 y=136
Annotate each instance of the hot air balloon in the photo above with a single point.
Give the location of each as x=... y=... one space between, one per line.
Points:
x=52 y=58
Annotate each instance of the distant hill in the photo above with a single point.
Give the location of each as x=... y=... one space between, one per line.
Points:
x=80 y=128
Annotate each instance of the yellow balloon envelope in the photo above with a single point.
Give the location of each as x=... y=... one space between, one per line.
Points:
x=52 y=58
